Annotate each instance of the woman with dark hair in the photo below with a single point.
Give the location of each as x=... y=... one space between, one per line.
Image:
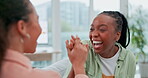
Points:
x=19 y=30
x=107 y=57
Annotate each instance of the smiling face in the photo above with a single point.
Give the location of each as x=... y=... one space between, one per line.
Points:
x=103 y=34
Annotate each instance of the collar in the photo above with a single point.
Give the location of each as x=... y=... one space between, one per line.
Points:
x=122 y=53
x=17 y=57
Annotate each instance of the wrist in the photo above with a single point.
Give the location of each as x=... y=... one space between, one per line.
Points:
x=80 y=69
x=75 y=64
x=81 y=76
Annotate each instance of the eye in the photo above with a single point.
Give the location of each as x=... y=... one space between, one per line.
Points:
x=102 y=29
x=91 y=29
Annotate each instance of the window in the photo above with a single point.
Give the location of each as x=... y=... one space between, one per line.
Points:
x=74 y=16
x=69 y=17
x=106 y=5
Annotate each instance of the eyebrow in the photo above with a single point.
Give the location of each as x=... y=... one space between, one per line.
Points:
x=99 y=25
x=102 y=25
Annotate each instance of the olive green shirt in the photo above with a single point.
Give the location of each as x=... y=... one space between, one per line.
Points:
x=125 y=68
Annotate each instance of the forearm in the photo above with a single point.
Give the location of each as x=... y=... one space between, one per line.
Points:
x=79 y=69
x=71 y=74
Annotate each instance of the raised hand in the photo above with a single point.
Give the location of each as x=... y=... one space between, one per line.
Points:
x=77 y=53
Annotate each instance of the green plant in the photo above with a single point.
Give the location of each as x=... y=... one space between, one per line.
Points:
x=138 y=20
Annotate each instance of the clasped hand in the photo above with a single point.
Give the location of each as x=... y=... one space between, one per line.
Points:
x=77 y=52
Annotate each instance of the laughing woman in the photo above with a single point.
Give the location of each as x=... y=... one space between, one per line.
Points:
x=107 y=58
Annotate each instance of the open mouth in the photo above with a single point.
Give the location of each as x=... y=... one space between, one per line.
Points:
x=97 y=44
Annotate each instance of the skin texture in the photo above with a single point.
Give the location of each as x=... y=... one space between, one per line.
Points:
x=34 y=30
x=23 y=30
x=103 y=30
x=23 y=35
x=77 y=53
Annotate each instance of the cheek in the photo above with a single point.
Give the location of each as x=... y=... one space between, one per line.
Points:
x=90 y=36
x=108 y=38
x=38 y=30
x=35 y=34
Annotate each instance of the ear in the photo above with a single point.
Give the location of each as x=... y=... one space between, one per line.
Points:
x=22 y=28
x=118 y=34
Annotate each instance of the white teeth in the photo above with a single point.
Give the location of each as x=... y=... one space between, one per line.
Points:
x=97 y=42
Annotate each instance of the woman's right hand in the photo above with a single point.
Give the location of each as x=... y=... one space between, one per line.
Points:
x=77 y=53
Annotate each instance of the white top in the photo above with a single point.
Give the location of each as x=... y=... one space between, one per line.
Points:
x=59 y=66
x=109 y=64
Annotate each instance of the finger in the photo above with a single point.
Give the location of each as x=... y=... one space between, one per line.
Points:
x=71 y=45
x=86 y=45
x=67 y=43
x=67 y=46
x=77 y=37
x=77 y=41
x=72 y=37
x=72 y=41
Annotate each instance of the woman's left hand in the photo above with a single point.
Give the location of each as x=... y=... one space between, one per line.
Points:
x=77 y=51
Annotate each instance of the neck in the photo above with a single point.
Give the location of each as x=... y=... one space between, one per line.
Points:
x=15 y=45
x=14 y=39
x=110 y=53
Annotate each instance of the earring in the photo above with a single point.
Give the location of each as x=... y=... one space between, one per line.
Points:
x=28 y=36
x=22 y=41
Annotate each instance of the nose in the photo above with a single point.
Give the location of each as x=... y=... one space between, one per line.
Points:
x=95 y=34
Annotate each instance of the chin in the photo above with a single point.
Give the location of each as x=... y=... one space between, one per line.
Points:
x=30 y=50
x=97 y=51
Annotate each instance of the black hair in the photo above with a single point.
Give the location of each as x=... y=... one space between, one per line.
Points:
x=122 y=25
x=3 y=44
x=11 y=11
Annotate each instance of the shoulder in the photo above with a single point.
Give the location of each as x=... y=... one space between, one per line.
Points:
x=13 y=69
x=128 y=61
x=127 y=55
